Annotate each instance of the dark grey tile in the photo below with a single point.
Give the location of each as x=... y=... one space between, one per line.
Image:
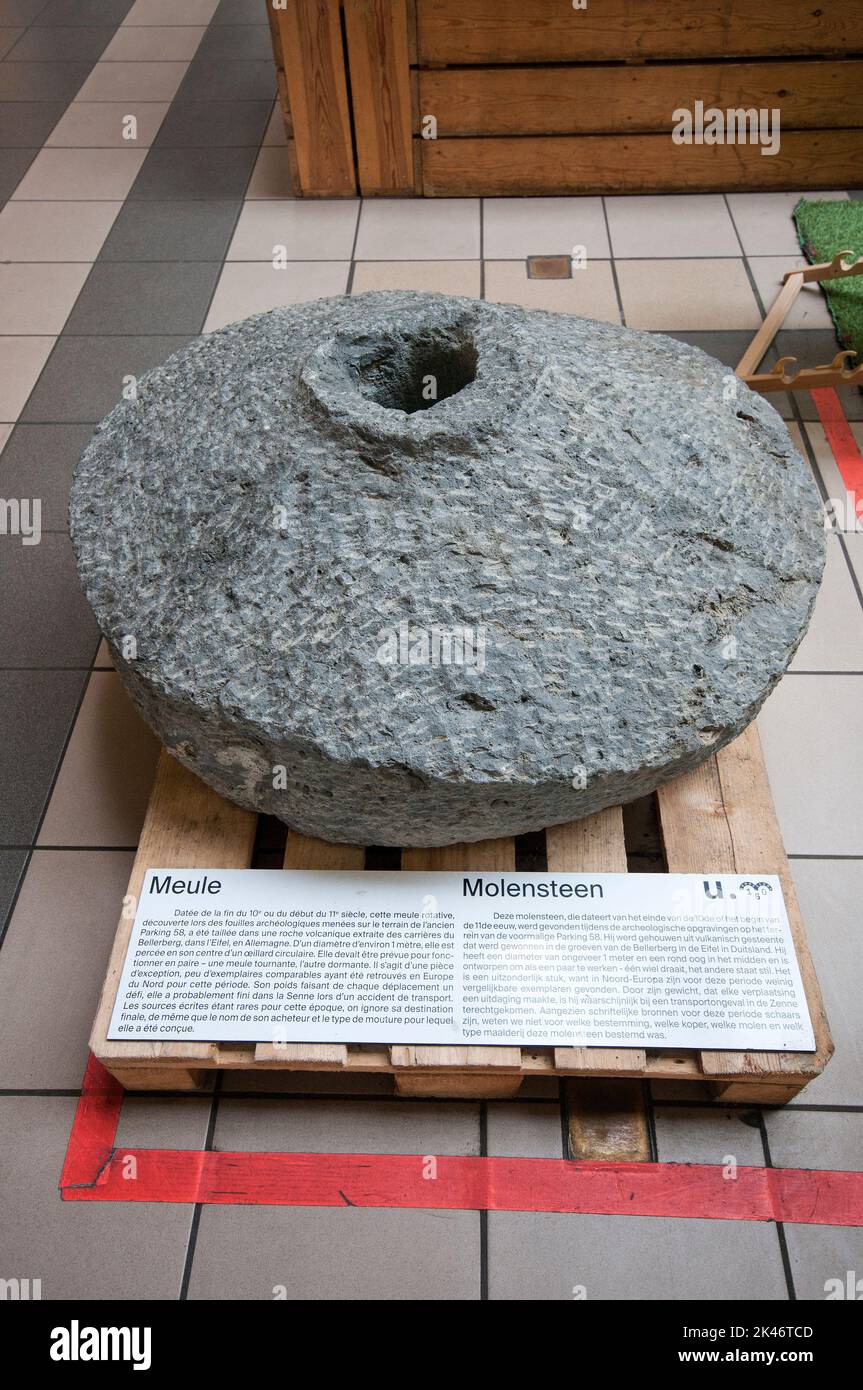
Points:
x=348 y=1126
x=336 y=1254
x=52 y=965
x=81 y=1250
x=215 y=80
x=239 y=12
x=45 y=619
x=41 y=81
x=194 y=123
x=36 y=713
x=13 y=166
x=62 y=45
x=149 y=231
x=536 y=1256
x=8 y=40
x=144 y=297
x=855 y=192
x=39 y=461
x=201 y=173
x=12 y=863
x=62 y=12
x=726 y=346
x=814 y=348
x=20 y=11
x=28 y=123
x=236 y=42
x=84 y=377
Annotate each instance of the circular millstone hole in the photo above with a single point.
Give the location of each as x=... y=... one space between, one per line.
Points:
x=413 y=373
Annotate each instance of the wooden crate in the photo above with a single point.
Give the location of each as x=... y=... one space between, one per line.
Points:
x=541 y=98
x=717 y=819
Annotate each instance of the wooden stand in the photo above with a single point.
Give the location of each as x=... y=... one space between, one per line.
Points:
x=717 y=819
x=839 y=372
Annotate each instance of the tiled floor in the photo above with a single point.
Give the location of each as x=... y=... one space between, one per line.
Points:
x=121 y=239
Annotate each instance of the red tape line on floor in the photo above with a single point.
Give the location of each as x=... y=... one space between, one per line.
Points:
x=95 y=1171
x=843 y=445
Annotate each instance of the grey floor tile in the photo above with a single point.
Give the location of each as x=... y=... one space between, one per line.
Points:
x=815 y=1138
x=87 y=12
x=8 y=40
x=332 y=1126
x=45 y=619
x=39 y=461
x=235 y=42
x=175 y=231
x=80 y=1250
x=20 y=11
x=173 y=1123
x=144 y=298
x=12 y=862
x=194 y=173
x=699 y=1135
x=813 y=750
x=53 y=964
x=14 y=164
x=543 y=1255
x=190 y=124
x=53 y=44
x=84 y=377
x=36 y=713
x=312 y=1253
x=41 y=81
x=826 y=1261
x=524 y=1130
x=238 y=12
x=813 y=348
x=830 y=892
x=27 y=124
x=726 y=346
x=216 y=80
x=101 y=793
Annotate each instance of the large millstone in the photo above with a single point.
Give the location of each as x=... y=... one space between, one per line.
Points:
x=392 y=619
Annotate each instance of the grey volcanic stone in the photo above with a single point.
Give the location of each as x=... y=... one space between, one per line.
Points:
x=623 y=536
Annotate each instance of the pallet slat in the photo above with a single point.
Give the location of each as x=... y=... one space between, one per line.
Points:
x=720 y=818
x=602 y=100
x=562 y=164
x=482 y=856
x=510 y=31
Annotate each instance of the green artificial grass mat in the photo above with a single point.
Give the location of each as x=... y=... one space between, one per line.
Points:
x=823 y=228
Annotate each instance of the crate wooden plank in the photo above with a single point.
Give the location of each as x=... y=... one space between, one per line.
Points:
x=481 y=856
x=561 y=164
x=510 y=31
x=187 y=826
x=311 y=42
x=590 y=100
x=607 y=1121
x=595 y=843
x=307 y=852
x=376 y=33
x=720 y=818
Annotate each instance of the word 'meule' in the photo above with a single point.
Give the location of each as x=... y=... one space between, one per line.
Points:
x=169 y=884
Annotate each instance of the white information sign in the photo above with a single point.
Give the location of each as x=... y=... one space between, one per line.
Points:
x=608 y=960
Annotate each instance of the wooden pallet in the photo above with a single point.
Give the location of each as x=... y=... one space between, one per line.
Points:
x=717 y=819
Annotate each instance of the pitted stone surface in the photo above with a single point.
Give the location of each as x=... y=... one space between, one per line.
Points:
x=390 y=621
